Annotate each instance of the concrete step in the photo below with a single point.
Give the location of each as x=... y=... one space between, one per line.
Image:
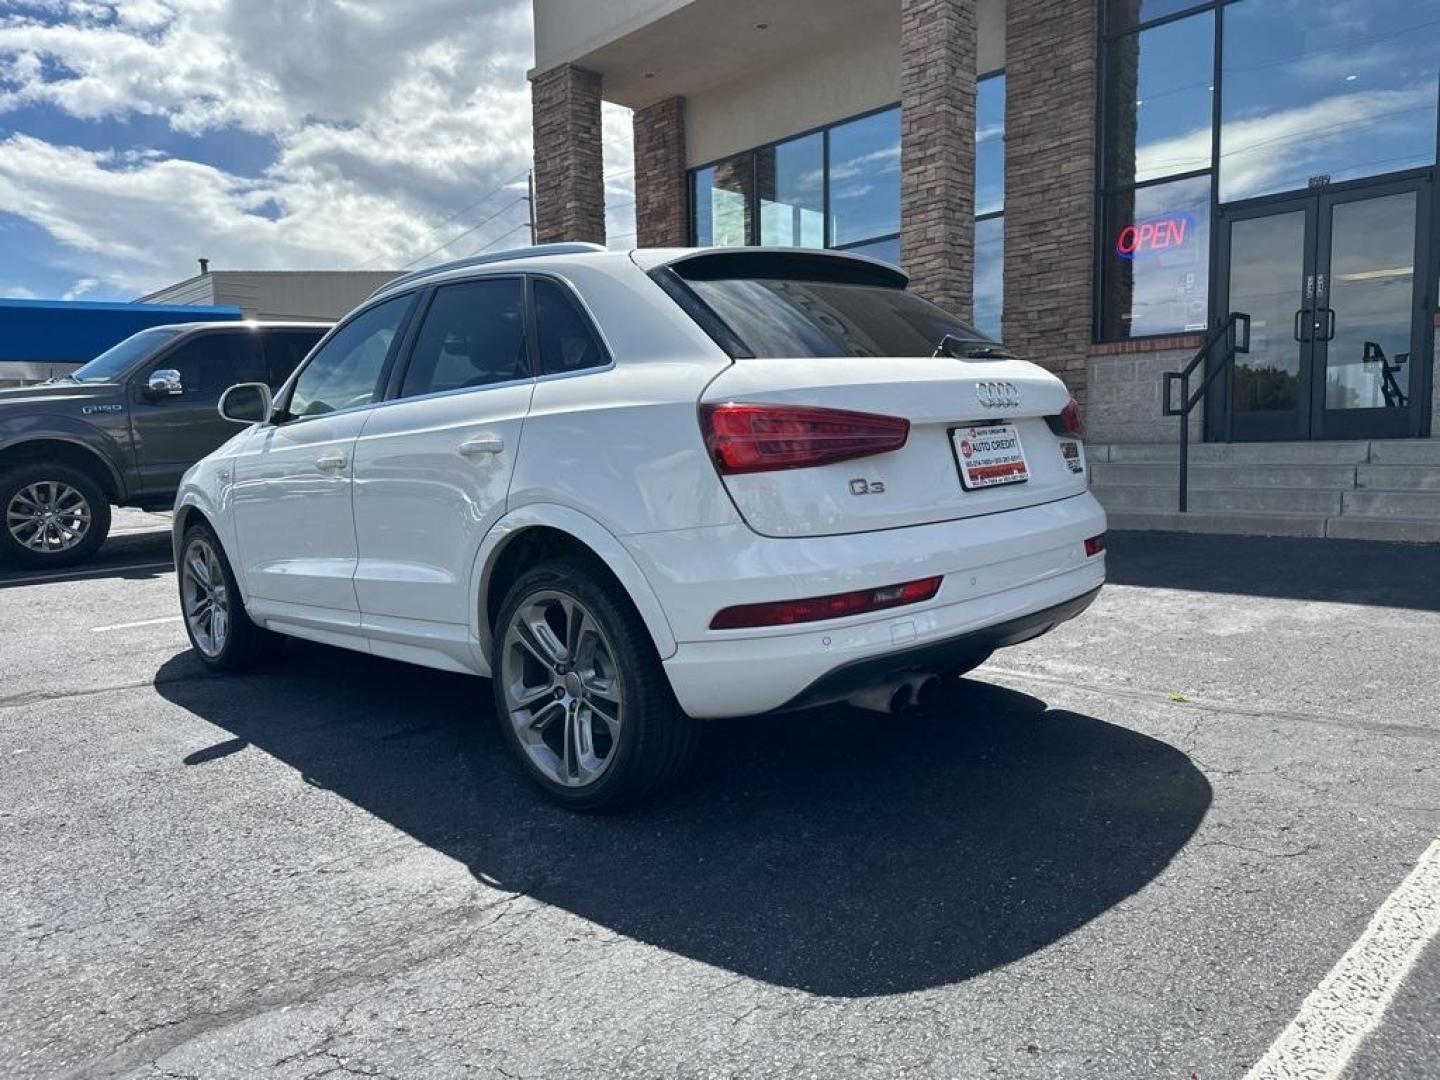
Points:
x=1315 y=501
x=1279 y=453
x=1406 y=452
x=1394 y=530
x=1241 y=524
x=1398 y=477
x=1331 y=477
x=1415 y=505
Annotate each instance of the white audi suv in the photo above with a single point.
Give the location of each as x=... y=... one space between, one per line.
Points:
x=640 y=490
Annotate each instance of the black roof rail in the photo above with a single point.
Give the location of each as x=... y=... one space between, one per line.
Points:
x=493 y=257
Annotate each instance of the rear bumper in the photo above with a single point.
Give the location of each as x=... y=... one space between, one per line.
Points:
x=1008 y=577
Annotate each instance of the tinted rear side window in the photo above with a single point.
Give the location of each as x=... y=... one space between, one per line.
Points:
x=567 y=340
x=794 y=318
x=473 y=335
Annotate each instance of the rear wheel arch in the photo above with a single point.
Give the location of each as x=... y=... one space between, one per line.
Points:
x=535 y=535
x=57 y=451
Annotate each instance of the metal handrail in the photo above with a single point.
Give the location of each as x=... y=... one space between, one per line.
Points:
x=1235 y=333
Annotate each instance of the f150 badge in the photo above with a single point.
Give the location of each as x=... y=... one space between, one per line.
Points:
x=89 y=410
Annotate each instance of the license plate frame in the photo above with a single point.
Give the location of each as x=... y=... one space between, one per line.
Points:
x=986 y=466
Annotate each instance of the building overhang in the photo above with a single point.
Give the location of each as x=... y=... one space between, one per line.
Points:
x=684 y=47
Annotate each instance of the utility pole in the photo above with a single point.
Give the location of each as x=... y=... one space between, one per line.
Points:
x=530 y=202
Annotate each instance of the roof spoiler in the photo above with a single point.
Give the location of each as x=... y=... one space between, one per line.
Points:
x=800 y=264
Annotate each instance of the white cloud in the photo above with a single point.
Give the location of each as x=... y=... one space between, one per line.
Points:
x=388 y=120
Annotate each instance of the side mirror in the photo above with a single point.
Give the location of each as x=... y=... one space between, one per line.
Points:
x=164 y=382
x=246 y=403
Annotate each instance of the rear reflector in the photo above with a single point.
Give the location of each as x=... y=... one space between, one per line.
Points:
x=746 y=438
x=785 y=612
x=1067 y=422
x=1094 y=545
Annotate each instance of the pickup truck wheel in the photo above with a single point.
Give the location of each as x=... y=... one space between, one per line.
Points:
x=55 y=515
x=580 y=693
x=220 y=631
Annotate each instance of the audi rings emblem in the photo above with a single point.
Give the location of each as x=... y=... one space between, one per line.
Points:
x=998 y=395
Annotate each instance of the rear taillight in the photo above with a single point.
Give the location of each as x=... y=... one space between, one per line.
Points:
x=1094 y=545
x=746 y=438
x=1067 y=422
x=786 y=612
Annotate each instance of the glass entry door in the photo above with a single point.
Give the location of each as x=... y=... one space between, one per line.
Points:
x=1334 y=286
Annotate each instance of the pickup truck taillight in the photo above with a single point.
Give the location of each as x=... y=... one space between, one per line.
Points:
x=748 y=438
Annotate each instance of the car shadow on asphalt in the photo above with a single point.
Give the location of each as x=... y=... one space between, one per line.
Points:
x=138 y=556
x=841 y=852
x=1282 y=567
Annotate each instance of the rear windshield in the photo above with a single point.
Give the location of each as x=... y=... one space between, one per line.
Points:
x=115 y=361
x=790 y=318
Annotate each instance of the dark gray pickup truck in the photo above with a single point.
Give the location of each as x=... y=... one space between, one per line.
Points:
x=124 y=428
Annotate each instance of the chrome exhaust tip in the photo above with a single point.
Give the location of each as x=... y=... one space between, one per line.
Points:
x=890 y=697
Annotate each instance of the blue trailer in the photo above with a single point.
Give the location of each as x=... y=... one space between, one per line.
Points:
x=40 y=339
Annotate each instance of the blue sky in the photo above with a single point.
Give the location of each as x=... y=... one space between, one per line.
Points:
x=139 y=135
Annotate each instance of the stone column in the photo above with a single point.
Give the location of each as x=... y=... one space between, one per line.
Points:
x=1050 y=88
x=569 y=176
x=937 y=150
x=661 y=194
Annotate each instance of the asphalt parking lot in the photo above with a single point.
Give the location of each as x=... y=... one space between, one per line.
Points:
x=1130 y=849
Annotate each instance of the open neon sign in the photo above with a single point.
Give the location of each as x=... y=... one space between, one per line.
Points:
x=1154 y=235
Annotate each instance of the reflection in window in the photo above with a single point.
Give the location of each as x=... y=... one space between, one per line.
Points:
x=1157 y=250
x=989 y=275
x=865 y=178
x=990 y=145
x=1158 y=101
x=1123 y=14
x=1345 y=88
x=884 y=250
x=789 y=179
x=722 y=202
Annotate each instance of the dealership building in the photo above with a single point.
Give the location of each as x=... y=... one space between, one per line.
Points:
x=1100 y=183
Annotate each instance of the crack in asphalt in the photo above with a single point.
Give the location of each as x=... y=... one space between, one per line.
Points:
x=1378 y=727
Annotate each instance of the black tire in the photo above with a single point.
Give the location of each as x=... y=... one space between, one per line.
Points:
x=657 y=741
x=15 y=482
x=245 y=645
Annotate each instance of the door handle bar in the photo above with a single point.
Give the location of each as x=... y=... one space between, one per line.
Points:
x=482 y=444
x=330 y=462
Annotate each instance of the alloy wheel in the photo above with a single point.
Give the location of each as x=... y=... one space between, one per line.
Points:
x=205 y=597
x=48 y=516
x=562 y=688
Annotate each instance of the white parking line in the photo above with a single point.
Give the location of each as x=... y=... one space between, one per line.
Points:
x=1350 y=1001
x=131 y=625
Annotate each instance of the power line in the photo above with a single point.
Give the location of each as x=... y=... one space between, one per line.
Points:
x=458 y=213
x=467 y=232
x=502 y=236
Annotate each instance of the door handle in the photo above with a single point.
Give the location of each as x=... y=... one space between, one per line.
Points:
x=330 y=462
x=1300 y=317
x=1329 y=334
x=482 y=444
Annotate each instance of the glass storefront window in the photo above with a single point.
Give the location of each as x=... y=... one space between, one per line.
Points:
x=865 y=178
x=1158 y=118
x=884 y=250
x=722 y=202
x=990 y=144
x=1156 y=257
x=1340 y=88
x=1123 y=14
x=989 y=275
x=789 y=180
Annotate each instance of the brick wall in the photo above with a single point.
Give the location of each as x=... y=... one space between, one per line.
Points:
x=661 y=197
x=1050 y=88
x=937 y=149
x=569 y=181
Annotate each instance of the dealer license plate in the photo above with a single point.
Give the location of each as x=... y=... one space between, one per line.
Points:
x=989 y=456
